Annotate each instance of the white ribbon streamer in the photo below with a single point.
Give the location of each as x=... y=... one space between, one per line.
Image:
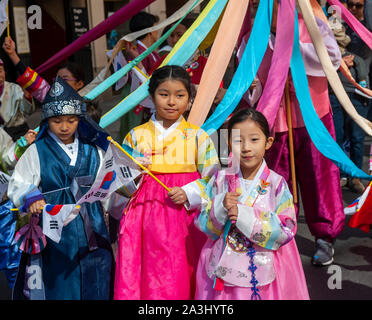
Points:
x=173 y=18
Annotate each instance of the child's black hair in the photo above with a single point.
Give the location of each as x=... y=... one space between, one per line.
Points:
x=75 y=69
x=251 y=114
x=93 y=110
x=142 y=20
x=170 y=73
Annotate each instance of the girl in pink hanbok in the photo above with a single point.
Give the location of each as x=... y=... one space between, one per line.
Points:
x=159 y=245
x=249 y=217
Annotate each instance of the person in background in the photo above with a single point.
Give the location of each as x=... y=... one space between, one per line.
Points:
x=139 y=114
x=16 y=104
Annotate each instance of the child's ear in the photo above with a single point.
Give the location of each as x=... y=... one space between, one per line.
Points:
x=80 y=84
x=269 y=143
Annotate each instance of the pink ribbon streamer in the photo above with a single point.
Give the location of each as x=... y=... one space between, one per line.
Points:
x=354 y=23
x=104 y=27
x=274 y=87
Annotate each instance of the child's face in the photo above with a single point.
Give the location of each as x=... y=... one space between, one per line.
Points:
x=248 y=143
x=64 y=127
x=66 y=75
x=171 y=100
x=176 y=35
x=2 y=75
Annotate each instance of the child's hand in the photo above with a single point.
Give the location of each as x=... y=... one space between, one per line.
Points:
x=254 y=84
x=30 y=136
x=349 y=60
x=9 y=46
x=145 y=161
x=131 y=48
x=231 y=199
x=233 y=214
x=178 y=195
x=36 y=207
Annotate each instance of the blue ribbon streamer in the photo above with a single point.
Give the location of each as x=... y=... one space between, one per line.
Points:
x=318 y=133
x=179 y=58
x=247 y=69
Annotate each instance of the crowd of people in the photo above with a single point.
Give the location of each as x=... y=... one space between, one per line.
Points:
x=219 y=232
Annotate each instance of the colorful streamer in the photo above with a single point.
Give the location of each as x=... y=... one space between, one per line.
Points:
x=220 y=56
x=247 y=69
x=272 y=94
x=123 y=71
x=181 y=52
x=104 y=27
x=182 y=12
x=318 y=133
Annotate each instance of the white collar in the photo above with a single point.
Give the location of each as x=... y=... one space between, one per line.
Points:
x=72 y=152
x=248 y=188
x=164 y=132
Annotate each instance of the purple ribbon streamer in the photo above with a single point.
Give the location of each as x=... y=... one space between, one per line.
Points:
x=30 y=235
x=275 y=83
x=354 y=23
x=104 y=27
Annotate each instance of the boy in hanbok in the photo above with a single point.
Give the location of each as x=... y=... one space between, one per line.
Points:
x=159 y=246
x=59 y=168
x=249 y=217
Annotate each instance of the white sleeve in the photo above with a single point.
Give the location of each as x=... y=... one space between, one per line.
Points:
x=7 y=150
x=26 y=176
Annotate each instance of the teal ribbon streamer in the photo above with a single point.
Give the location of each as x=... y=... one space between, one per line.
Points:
x=179 y=58
x=247 y=69
x=102 y=87
x=318 y=133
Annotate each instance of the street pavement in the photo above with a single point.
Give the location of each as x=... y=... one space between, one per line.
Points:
x=349 y=277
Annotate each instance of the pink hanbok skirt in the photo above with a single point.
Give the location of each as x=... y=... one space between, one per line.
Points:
x=158 y=245
x=289 y=283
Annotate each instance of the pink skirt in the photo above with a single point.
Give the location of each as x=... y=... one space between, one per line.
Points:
x=289 y=283
x=158 y=245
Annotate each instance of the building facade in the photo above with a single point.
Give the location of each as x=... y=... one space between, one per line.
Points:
x=41 y=28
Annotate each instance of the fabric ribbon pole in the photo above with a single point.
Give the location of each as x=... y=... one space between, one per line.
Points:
x=290 y=141
x=137 y=163
x=101 y=29
x=328 y=68
x=218 y=59
x=182 y=51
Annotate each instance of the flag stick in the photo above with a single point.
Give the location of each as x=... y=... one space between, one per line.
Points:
x=290 y=141
x=136 y=162
x=16 y=209
x=7 y=27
